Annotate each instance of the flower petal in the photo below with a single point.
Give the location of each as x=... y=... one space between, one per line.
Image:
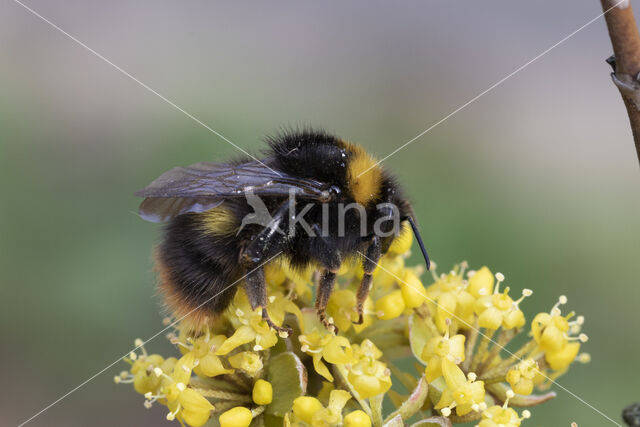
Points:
x=453 y=375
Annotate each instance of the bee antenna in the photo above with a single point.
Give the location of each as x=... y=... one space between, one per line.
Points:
x=416 y=233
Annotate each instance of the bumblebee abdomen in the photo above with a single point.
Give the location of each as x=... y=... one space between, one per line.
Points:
x=198 y=271
x=221 y=221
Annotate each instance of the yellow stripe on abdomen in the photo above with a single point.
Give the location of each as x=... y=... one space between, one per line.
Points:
x=220 y=221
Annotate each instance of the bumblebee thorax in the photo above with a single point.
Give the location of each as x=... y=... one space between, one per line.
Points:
x=364 y=175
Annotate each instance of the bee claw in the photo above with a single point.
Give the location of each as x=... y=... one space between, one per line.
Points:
x=360 y=320
x=331 y=327
x=283 y=331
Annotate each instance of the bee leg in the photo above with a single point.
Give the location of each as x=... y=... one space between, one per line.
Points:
x=331 y=260
x=325 y=287
x=369 y=264
x=256 y=289
x=268 y=244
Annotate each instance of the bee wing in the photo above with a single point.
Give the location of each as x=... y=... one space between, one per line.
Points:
x=162 y=209
x=205 y=185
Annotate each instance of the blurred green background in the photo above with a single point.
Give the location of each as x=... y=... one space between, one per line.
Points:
x=538 y=179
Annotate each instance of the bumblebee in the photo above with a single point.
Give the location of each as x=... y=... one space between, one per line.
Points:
x=313 y=200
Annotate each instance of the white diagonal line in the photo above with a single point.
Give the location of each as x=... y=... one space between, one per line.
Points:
x=424 y=294
x=144 y=85
x=76 y=388
x=493 y=86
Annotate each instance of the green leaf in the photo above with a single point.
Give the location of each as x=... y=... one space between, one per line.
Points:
x=413 y=403
x=433 y=422
x=273 y=421
x=288 y=377
x=419 y=334
x=499 y=390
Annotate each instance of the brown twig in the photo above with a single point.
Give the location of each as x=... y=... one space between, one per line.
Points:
x=625 y=40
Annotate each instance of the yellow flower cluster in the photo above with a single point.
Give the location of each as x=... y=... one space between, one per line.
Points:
x=167 y=381
x=240 y=371
x=462 y=393
x=503 y=416
x=558 y=337
x=472 y=364
x=309 y=410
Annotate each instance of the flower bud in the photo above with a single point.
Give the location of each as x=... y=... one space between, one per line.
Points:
x=236 y=417
x=481 y=283
x=357 y=419
x=262 y=392
x=305 y=406
x=390 y=306
x=402 y=243
x=412 y=290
